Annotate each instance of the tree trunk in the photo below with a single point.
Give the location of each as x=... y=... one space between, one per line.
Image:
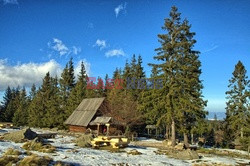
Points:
x=166 y=132
x=173 y=133
x=192 y=138
x=186 y=144
x=241 y=133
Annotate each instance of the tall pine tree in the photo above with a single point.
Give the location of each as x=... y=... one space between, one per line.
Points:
x=179 y=67
x=238 y=108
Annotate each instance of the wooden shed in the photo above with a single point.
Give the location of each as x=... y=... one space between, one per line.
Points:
x=92 y=113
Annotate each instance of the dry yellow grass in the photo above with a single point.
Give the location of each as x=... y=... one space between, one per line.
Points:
x=35 y=160
x=84 y=140
x=7 y=160
x=12 y=151
x=38 y=146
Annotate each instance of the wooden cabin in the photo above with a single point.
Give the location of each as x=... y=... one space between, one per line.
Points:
x=92 y=113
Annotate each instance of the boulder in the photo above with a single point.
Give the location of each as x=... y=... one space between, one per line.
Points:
x=29 y=134
x=179 y=146
x=187 y=155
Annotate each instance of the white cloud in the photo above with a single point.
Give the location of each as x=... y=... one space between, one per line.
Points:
x=78 y=67
x=100 y=43
x=29 y=73
x=58 y=46
x=121 y=7
x=26 y=74
x=13 y=2
x=76 y=50
x=115 y=52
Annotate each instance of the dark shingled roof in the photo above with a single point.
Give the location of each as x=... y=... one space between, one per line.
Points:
x=84 y=112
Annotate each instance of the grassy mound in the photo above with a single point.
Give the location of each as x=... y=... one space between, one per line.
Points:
x=35 y=160
x=12 y=151
x=134 y=152
x=38 y=146
x=84 y=140
x=8 y=160
x=20 y=136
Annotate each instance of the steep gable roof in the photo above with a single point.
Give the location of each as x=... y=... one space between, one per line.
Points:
x=84 y=112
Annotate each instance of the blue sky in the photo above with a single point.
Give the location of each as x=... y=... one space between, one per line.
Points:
x=40 y=36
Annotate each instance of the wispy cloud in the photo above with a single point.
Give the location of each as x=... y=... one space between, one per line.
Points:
x=115 y=52
x=28 y=73
x=59 y=47
x=76 y=50
x=120 y=8
x=210 y=49
x=100 y=43
x=12 y=2
x=90 y=25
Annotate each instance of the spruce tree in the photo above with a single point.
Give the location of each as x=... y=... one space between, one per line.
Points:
x=21 y=114
x=54 y=115
x=238 y=108
x=6 y=100
x=45 y=109
x=67 y=80
x=13 y=104
x=71 y=77
x=100 y=87
x=107 y=85
x=38 y=107
x=78 y=93
x=179 y=67
x=32 y=92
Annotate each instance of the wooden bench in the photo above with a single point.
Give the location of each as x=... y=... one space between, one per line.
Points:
x=113 y=141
